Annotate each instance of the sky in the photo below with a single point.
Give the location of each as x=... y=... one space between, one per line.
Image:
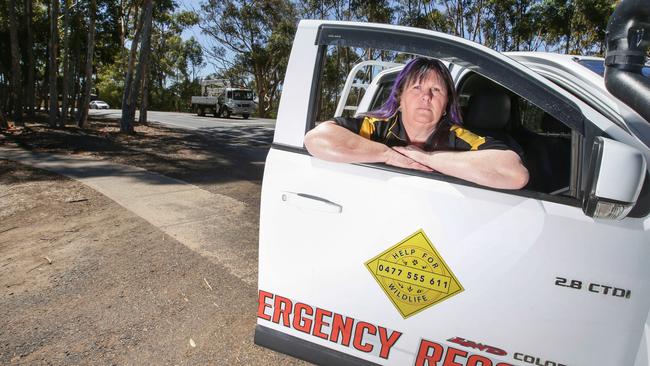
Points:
x=195 y=5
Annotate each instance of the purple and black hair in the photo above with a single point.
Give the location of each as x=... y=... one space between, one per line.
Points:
x=416 y=70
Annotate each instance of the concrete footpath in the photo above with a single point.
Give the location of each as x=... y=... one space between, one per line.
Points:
x=203 y=221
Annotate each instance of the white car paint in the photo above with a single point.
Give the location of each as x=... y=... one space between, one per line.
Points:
x=98 y=104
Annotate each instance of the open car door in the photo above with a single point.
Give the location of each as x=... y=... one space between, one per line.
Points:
x=366 y=263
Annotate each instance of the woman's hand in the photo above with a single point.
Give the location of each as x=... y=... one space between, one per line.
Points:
x=395 y=158
x=413 y=152
x=493 y=168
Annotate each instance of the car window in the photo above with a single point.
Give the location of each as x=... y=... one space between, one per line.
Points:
x=383 y=92
x=242 y=95
x=544 y=142
x=598 y=66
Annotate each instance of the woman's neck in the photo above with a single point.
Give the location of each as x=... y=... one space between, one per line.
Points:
x=418 y=135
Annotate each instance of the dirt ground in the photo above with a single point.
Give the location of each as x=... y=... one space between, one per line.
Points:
x=224 y=160
x=84 y=281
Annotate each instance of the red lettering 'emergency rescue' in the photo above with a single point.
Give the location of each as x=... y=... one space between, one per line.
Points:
x=434 y=354
x=325 y=324
x=350 y=332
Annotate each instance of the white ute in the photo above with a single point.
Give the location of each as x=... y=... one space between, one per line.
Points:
x=370 y=264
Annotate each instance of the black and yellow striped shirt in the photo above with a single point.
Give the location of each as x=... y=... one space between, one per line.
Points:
x=448 y=136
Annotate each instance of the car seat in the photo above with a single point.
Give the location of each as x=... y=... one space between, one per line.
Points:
x=488 y=114
x=549 y=156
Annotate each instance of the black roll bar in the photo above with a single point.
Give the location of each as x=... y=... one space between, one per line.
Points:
x=628 y=39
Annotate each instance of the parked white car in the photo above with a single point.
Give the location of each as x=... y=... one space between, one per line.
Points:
x=98 y=104
x=370 y=263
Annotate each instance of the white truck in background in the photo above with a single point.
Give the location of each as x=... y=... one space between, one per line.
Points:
x=219 y=98
x=365 y=264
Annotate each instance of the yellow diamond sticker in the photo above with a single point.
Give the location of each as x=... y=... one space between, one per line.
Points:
x=413 y=275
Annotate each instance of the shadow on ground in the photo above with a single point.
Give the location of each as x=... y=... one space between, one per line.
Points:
x=204 y=157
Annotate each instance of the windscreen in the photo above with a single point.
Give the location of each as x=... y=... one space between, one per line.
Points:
x=242 y=95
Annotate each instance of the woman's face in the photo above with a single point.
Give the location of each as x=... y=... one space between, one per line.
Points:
x=423 y=101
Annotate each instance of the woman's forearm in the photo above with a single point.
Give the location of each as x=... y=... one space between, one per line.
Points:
x=493 y=168
x=331 y=142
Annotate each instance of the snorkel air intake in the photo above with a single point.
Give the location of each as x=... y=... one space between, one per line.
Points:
x=628 y=39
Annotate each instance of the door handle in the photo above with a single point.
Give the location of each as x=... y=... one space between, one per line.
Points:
x=311 y=202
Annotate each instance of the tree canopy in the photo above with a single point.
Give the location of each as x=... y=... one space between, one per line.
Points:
x=247 y=41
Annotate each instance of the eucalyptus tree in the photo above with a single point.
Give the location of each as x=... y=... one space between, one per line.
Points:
x=143 y=59
x=52 y=62
x=422 y=14
x=4 y=102
x=88 y=79
x=170 y=86
x=138 y=19
x=132 y=86
x=66 y=62
x=260 y=33
x=30 y=64
x=16 y=74
x=168 y=79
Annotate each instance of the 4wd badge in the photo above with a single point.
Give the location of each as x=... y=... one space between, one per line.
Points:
x=413 y=275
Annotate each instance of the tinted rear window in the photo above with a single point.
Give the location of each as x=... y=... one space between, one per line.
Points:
x=598 y=67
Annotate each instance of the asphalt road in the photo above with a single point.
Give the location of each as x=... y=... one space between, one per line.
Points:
x=191 y=121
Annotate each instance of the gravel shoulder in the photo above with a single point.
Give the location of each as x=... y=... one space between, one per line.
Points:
x=84 y=281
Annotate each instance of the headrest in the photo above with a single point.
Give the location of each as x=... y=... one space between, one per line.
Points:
x=488 y=109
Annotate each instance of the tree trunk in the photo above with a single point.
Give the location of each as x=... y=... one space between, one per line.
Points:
x=77 y=92
x=144 y=103
x=261 y=110
x=71 y=97
x=4 y=124
x=66 y=64
x=45 y=87
x=88 y=82
x=3 y=101
x=129 y=117
x=16 y=77
x=29 y=88
x=53 y=68
x=125 y=125
x=124 y=14
x=3 y=119
x=76 y=64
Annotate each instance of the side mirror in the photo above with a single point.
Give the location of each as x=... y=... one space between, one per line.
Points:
x=614 y=180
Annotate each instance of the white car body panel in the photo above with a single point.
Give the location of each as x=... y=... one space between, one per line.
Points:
x=549 y=239
x=610 y=183
x=297 y=84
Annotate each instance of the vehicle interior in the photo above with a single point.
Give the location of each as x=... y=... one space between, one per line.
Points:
x=487 y=108
x=490 y=109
